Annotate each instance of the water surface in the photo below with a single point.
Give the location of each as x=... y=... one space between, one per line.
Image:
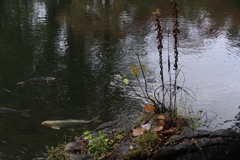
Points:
x=85 y=44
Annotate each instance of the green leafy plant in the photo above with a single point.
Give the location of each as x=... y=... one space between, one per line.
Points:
x=148 y=143
x=57 y=153
x=170 y=97
x=164 y=97
x=119 y=137
x=147 y=139
x=100 y=145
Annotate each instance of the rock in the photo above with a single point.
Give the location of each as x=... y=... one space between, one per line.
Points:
x=199 y=145
x=107 y=127
x=72 y=147
x=188 y=145
x=79 y=157
x=188 y=133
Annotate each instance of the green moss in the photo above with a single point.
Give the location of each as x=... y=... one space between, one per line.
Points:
x=148 y=139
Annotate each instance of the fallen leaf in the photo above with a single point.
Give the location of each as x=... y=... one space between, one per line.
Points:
x=161 y=117
x=160 y=124
x=170 y=131
x=149 y=107
x=157 y=128
x=138 y=131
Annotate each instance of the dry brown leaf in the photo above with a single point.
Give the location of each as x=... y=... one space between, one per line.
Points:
x=170 y=131
x=134 y=71
x=160 y=124
x=138 y=131
x=149 y=107
x=157 y=128
x=161 y=117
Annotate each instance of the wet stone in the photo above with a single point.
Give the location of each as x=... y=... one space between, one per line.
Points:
x=188 y=145
x=79 y=157
x=221 y=147
x=72 y=146
x=188 y=133
x=225 y=133
x=107 y=126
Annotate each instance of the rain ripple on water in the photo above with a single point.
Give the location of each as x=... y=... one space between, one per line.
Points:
x=109 y=54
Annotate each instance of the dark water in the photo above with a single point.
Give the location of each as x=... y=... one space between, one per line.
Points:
x=84 y=44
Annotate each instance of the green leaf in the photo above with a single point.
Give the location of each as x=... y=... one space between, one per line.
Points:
x=88 y=137
x=126 y=81
x=150 y=96
x=120 y=137
x=156 y=13
x=143 y=68
x=197 y=119
x=188 y=117
x=120 y=77
x=200 y=111
x=130 y=66
x=86 y=132
x=134 y=71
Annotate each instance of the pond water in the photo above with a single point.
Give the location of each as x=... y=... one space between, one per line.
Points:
x=85 y=44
